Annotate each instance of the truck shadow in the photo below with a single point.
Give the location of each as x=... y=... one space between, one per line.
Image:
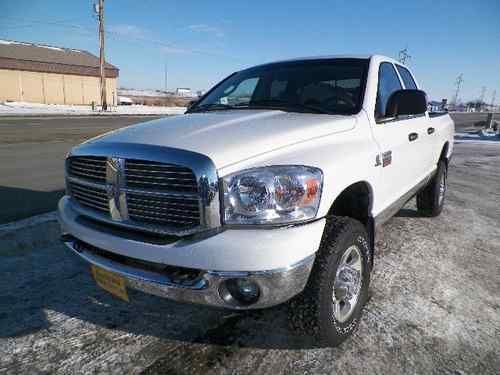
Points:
x=37 y=283
x=407 y=212
x=18 y=203
x=45 y=287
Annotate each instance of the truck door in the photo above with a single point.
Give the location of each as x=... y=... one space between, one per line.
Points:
x=398 y=140
x=427 y=135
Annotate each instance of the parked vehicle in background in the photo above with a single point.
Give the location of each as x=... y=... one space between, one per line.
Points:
x=123 y=100
x=269 y=189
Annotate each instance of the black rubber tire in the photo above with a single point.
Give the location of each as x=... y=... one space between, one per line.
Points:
x=311 y=312
x=428 y=203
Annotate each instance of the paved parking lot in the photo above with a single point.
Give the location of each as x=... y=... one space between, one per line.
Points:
x=434 y=307
x=32 y=151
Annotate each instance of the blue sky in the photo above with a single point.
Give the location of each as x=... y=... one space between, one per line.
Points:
x=203 y=41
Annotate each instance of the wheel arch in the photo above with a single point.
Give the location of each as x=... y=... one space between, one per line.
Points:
x=356 y=201
x=444 y=153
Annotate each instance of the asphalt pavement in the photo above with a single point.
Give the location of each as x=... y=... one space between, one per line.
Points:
x=32 y=151
x=434 y=306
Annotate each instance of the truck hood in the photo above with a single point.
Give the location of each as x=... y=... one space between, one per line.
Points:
x=228 y=137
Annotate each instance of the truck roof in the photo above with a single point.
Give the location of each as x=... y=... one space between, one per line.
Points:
x=340 y=56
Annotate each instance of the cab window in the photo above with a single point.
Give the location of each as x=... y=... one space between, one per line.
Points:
x=388 y=82
x=407 y=78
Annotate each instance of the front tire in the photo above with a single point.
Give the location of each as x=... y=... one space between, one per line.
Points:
x=430 y=200
x=330 y=306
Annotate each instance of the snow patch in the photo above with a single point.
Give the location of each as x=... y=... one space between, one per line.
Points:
x=2 y=41
x=477 y=138
x=23 y=108
x=48 y=47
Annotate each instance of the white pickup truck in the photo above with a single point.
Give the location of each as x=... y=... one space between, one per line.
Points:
x=270 y=188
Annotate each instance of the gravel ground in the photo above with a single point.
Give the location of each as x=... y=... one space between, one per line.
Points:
x=434 y=306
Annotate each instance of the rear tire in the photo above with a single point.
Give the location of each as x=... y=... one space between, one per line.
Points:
x=430 y=200
x=330 y=306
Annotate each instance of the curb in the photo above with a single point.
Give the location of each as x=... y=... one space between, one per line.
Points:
x=36 y=231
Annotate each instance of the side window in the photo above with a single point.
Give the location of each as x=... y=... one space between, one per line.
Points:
x=278 y=88
x=407 y=78
x=388 y=82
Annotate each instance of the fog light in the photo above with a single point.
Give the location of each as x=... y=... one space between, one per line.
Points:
x=242 y=291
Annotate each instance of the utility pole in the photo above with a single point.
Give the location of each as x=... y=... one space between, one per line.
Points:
x=481 y=98
x=458 y=84
x=403 y=56
x=166 y=77
x=492 y=113
x=100 y=13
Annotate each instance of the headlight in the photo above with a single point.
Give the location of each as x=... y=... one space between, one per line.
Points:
x=272 y=195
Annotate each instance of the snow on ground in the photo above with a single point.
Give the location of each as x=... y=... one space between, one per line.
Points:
x=477 y=138
x=2 y=41
x=23 y=108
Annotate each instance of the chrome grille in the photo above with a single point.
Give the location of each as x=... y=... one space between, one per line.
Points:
x=158 y=195
x=89 y=167
x=90 y=196
x=177 y=211
x=159 y=176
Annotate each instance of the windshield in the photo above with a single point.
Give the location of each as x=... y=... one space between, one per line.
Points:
x=333 y=86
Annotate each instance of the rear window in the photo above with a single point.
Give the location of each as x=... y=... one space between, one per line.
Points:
x=407 y=78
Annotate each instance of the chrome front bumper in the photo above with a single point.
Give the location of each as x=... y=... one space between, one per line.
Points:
x=276 y=286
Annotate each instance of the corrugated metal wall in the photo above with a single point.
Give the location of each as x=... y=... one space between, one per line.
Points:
x=52 y=88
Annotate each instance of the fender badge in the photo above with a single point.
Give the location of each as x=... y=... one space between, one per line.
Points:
x=386 y=158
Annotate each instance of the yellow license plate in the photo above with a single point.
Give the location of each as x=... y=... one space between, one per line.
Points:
x=111 y=282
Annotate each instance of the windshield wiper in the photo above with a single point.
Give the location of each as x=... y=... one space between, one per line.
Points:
x=211 y=107
x=287 y=105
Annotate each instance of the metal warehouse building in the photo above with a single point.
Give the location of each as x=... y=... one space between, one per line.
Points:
x=52 y=75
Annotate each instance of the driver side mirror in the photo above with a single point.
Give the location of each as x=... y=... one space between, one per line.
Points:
x=406 y=102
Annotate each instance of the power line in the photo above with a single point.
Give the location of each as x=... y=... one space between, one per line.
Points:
x=169 y=46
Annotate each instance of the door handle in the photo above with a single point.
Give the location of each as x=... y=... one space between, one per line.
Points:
x=412 y=136
x=430 y=130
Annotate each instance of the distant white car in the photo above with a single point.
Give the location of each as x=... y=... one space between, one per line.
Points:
x=269 y=188
x=123 y=100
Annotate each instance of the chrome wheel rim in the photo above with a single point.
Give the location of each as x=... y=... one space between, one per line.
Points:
x=347 y=284
x=442 y=187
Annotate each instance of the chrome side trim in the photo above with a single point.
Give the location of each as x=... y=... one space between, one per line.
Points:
x=394 y=208
x=202 y=166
